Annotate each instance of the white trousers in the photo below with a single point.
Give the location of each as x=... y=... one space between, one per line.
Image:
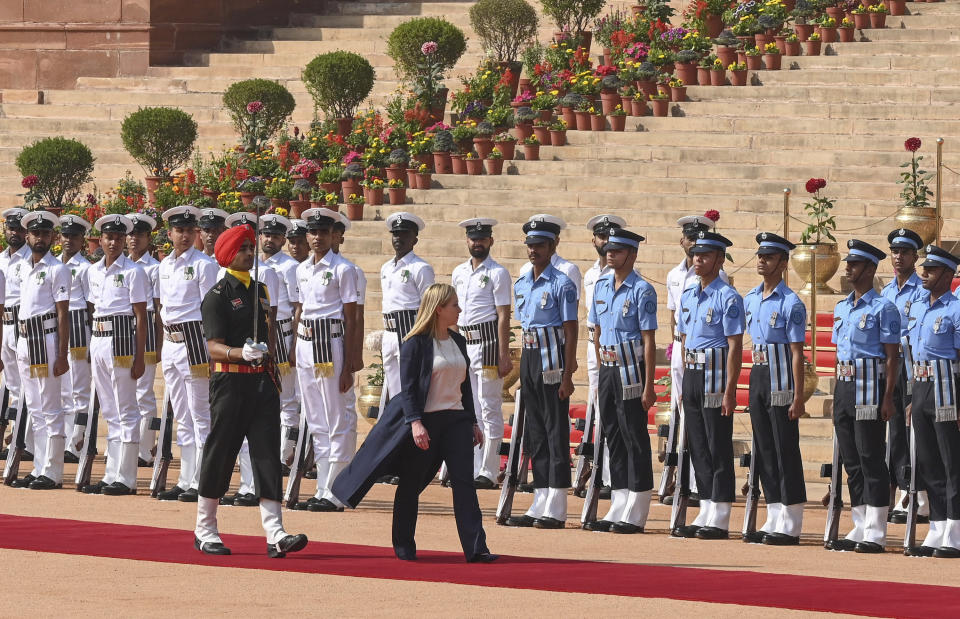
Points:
x=189 y=396
x=117 y=391
x=390 y=351
x=45 y=406
x=290 y=395
x=75 y=393
x=334 y=432
x=488 y=407
x=147 y=404
x=11 y=375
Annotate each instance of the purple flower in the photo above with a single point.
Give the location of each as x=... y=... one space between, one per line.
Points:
x=430 y=47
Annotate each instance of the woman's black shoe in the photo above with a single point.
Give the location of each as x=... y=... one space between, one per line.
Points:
x=483 y=557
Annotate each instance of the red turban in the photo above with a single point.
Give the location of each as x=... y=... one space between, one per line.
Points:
x=228 y=244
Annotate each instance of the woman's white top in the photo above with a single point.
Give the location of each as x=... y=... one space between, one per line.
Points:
x=449 y=371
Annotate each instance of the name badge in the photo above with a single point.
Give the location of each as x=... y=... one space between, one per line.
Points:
x=473 y=334
x=906 y=308
x=543 y=299
x=773 y=319
x=936 y=324
x=709 y=317
x=863 y=321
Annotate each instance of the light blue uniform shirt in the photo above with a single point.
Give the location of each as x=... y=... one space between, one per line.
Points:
x=709 y=315
x=904 y=298
x=935 y=333
x=623 y=313
x=861 y=328
x=781 y=318
x=549 y=301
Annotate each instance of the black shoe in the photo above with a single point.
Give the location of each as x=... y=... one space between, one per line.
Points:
x=483 y=557
x=712 y=533
x=549 y=523
x=527 y=488
x=284 y=470
x=694 y=500
x=897 y=517
x=389 y=479
x=781 y=539
x=919 y=551
x=210 y=548
x=44 y=483
x=325 y=505
x=144 y=464
x=170 y=495
x=923 y=519
x=3 y=453
x=227 y=501
x=290 y=543
x=26 y=457
x=311 y=474
x=483 y=483
x=23 y=482
x=602 y=526
x=118 y=489
x=303 y=506
x=96 y=488
x=520 y=521
x=605 y=492
x=947 y=552
x=667 y=500
x=870 y=548
x=841 y=545
x=246 y=500
x=405 y=555
x=188 y=496
x=755 y=538
x=687 y=531
x=625 y=528
x=70 y=458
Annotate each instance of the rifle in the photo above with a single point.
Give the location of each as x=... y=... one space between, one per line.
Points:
x=302 y=455
x=681 y=494
x=589 y=513
x=749 y=461
x=511 y=475
x=164 y=455
x=834 y=505
x=90 y=420
x=18 y=445
x=4 y=416
x=586 y=449
x=669 y=457
x=910 y=536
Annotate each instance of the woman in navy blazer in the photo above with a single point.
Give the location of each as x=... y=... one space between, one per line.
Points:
x=428 y=422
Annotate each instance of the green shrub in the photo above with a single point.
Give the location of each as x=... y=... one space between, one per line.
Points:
x=277 y=102
x=338 y=82
x=406 y=40
x=61 y=166
x=572 y=15
x=160 y=138
x=504 y=26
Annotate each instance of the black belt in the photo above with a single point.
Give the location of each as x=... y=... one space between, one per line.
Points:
x=399 y=321
x=489 y=327
x=22 y=324
x=11 y=315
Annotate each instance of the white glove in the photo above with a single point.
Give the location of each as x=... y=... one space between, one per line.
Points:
x=253 y=353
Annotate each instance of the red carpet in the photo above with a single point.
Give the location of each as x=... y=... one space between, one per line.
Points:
x=838 y=595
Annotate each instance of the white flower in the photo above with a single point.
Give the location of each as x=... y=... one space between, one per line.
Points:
x=373 y=341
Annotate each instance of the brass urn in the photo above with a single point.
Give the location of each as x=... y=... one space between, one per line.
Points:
x=369 y=399
x=810 y=380
x=513 y=376
x=827 y=262
x=920 y=219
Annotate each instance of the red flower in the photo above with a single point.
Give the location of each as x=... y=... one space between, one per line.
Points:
x=912 y=144
x=712 y=215
x=815 y=184
x=254 y=107
x=30 y=181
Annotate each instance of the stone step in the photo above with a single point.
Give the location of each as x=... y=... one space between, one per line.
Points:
x=860 y=77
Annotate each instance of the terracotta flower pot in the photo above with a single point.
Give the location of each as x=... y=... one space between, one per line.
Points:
x=609 y=101
x=597 y=123
x=93 y=243
x=687 y=72
x=714 y=25
x=781 y=42
x=398 y=195
x=835 y=12
x=570 y=117
x=424 y=158
x=791 y=48
x=298 y=205
x=878 y=20
x=647 y=87
x=545 y=115
x=344 y=126
x=350 y=186
x=332 y=187
x=457 y=165
x=483 y=146
x=424 y=180
x=828 y=35
x=717 y=78
x=607 y=57
x=661 y=106
x=441 y=163
x=153 y=183
x=738 y=78
x=861 y=21
x=754 y=63
x=374 y=197
x=394 y=172
x=845 y=35
x=583 y=120
x=663 y=89
x=542 y=133
x=762 y=39
x=771 y=62
x=896 y=7
x=246 y=197
x=411 y=179
x=812 y=48
x=638 y=107
x=703 y=76
x=494 y=166
x=803 y=31
x=355 y=212
x=531 y=152
x=474 y=166
x=678 y=93
x=523 y=130
x=276 y=203
x=558 y=138
x=727 y=55
x=617 y=123
x=507 y=149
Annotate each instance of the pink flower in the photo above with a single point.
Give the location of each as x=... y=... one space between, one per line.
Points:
x=30 y=181
x=669 y=352
x=351 y=157
x=912 y=144
x=712 y=215
x=430 y=47
x=254 y=107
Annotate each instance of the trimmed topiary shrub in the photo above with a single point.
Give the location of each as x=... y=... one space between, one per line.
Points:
x=504 y=26
x=160 y=138
x=278 y=105
x=338 y=82
x=60 y=166
x=407 y=39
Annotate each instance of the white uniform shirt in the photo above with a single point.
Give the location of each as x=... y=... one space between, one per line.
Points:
x=589 y=281
x=42 y=286
x=267 y=276
x=79 y=292
x=564 y=266
x=114 y=289
x=3 y=285
x=480 y=291
x=286 y=269
x=402 y=283
x=361 y=281
x=11 y=264
x=679 y=279
x=325 y=286
x=151 y=266
x=184 y=281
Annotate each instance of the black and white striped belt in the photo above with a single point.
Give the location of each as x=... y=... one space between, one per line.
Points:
x=480 y=332
x=323 y=328
x=10 y=315
x=285 y=326
x=175 y=333
x=49 y=322
x=104 y=327
x=395 y=321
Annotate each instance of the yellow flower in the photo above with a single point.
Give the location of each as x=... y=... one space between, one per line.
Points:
x=554 y=92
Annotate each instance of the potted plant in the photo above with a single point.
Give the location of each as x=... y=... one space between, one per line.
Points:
x=861 y=18
x=703 y=70
x=568 y=108
x=302 y=189
x=738 y=74
x=350 y=178
x=463 y=134
x=523 y=118
x=338 y=82
x=424 y=177
x=412 y=176
x=752 y=57
x=845 y=31
x=373 y=191
x=726 y=48
x=504 y=28
x=483 y=143
x=916 y=213
x=811 y=47
x=791 y=45
x=541 y=129
x=531 y=149
x=661 y=103
x=617 y=118
x=583 y=115
x=457 y=165
x=678 y=90
x=161 y=140
x=718 y=77
x=474 y=163
x=53 y=171
x=558 y=133
x=638 y=105
x=506 y=144
x=801 y=14
x=280 y=191
x=258 y=127
x=817 y=242
x=329 y=178
x=573 y=16
x=398 y=191
x=896 y=7
x=332 y=202
x=878 y=15
x=663 y=84
x=396 y=163
x=443 y=145
x=423 y=50
x=686 y=65
x=645 y=81
x=543 y=104
x=355 y=207
x=771 y=57
x=597 y=121
x=828 y=29
x=494 y=162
